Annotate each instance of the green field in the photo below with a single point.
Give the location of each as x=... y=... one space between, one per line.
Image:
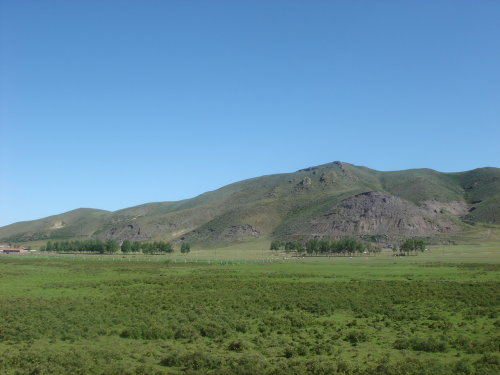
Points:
x=436 y=313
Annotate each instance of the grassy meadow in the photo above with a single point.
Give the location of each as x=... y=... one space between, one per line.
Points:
x=262 y=313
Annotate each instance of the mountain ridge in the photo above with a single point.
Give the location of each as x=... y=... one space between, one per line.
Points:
x=329 y=200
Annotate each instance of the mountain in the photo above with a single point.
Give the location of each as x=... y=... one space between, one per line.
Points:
x=330 y=200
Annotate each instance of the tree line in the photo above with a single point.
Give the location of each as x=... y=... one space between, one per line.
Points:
x=411 y=245
x=112 y=246
x=345 y=246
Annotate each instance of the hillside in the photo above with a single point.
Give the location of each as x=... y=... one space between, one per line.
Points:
x=330 y=200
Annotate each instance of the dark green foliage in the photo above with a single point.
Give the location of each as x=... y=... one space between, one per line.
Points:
x=357 y=336
x=424 y=344
x=345 y=246
x=156 y=247
x=413 y=245
x=276 y=245
x=166 y=318
x=109 y=246
x=135 y=247
x=237 y=345
x=288 y=246
x=185 y=248
x=312 y=246
x=91 y=246
x=126 y=246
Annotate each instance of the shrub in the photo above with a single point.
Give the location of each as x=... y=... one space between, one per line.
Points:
x=429 y=344
x=237 y=346
x=355 y=337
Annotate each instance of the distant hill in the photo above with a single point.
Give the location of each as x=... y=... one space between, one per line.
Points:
x=330 y=200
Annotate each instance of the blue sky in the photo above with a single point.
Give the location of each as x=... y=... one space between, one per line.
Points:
x=109 y=104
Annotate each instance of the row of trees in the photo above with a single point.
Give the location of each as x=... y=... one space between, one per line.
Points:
x=156 y=247
x=93 y=246
x=112 y=246
x=345 y=246
x=412 y=245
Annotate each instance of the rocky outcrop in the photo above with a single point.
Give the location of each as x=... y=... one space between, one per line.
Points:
x=455 y=208
x=227 y=234
x=380 y=213
x=132 y=232
x=303 y=184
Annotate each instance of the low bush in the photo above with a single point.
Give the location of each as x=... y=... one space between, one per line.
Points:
x=424 y=344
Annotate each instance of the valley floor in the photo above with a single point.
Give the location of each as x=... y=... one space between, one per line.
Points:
x=437 y=313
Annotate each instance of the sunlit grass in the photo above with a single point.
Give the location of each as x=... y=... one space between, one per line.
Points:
x=435 y=313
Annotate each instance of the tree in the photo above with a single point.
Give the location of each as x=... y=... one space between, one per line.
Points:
x=166 y=247
x=275 y=245
x=111 y=246
x=419 y=245
x=185 y=248
x=147 y=247
x=299 y=246
x=324 y=246
x=312 y=246
x=289 y=246
x=135 y=247
x=126 y=246
x=413 y=244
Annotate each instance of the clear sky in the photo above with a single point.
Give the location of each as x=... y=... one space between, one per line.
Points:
x=109 y=104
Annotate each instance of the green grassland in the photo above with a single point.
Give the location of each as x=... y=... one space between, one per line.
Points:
x=262 y=313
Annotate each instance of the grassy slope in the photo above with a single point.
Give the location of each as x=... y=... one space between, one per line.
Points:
x=482 y=187
x=418 y=185
x=70 y=224
x=276 y=203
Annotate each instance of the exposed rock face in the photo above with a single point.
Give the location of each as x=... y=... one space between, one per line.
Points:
x=233 y=233
x=303 y=184
x=131 y=232
x=457 y=208
x=379 y=213
x=57 y=225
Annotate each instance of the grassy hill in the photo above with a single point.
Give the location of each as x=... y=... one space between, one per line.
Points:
x=333 y=200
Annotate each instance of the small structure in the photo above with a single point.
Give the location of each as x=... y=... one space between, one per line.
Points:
x=13 y=250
